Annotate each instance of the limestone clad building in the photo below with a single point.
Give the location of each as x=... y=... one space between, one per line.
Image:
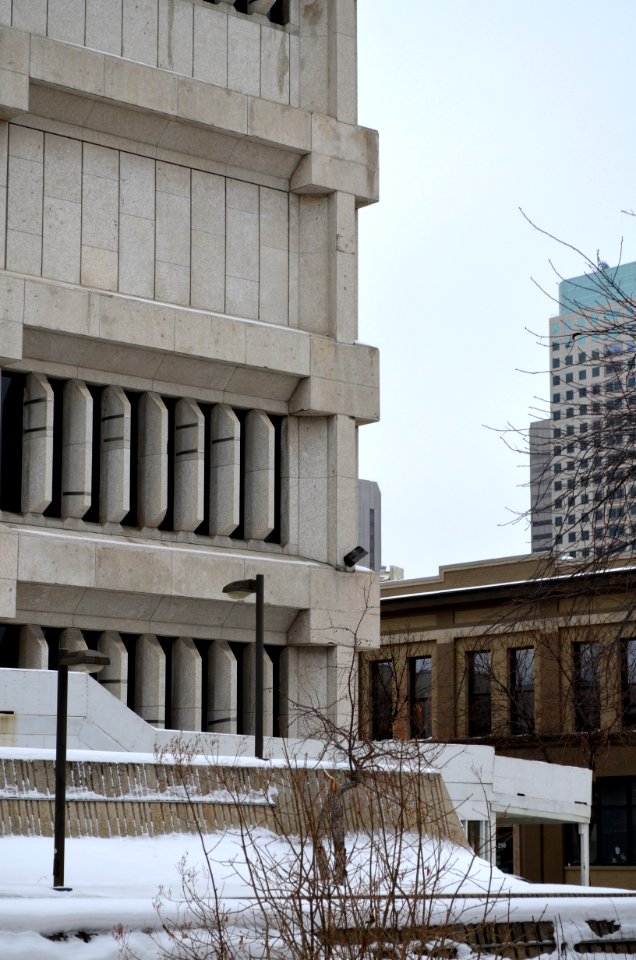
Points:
x=181 y=379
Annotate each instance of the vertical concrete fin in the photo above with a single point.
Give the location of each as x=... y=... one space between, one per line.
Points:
x=115 y=456
x=152 y=485
x=77 y=442
x=72 y=639
x=259 y=475
x=37 y=444
x=225 y=471
x=222 y=689
x=189 y=442
x=115 y=676
x=150 y=680
x=34 y=650
x=187 y=670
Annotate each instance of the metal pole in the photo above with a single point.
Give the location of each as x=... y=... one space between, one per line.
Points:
x=59 y=817
x=258 y=671
x=584 y=837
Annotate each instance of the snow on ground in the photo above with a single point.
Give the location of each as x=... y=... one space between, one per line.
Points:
x=115 y=882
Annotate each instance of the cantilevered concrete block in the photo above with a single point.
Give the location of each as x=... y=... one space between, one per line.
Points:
x=37 y=444
x=34 y=650
x=115 y=456
x=115 y=676
x=77 y=439
x=259 y=475
x=249 y=691
x=186 y=685
x=152 y=487
x=222 y=680
x=189 y=440
x=150 y=680
x=225 y=467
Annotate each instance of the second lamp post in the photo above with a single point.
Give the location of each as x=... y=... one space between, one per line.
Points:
x=239 y=590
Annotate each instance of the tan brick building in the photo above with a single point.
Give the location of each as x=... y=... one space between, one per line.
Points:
x=538 y=663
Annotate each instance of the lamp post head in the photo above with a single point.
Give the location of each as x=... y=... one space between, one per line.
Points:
x=240 y=589
x=87 y=661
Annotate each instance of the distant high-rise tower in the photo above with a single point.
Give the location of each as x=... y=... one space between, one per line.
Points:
x=369 y=523
x=581 y=481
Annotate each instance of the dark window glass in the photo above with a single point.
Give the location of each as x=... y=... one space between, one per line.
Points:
x=130 y=520
x=420 y=669
x=382 y=699
x=522 y=690
x=275 y=535
x=168 y=521
x=629 y=682
x=92 y=514
x=479 y=698
x=9 y=645
x=54 y=509
x=12 y=400
x=587 y=703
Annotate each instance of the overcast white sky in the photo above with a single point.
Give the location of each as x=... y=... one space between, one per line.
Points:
x=483 y=106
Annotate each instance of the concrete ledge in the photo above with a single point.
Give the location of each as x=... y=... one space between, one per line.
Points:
x=87 y=331
x=136 y=585
x=338 y=156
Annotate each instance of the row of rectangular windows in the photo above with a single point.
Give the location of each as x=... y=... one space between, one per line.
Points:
x=520 y=691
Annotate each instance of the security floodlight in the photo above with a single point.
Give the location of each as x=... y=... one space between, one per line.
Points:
x=354 y=556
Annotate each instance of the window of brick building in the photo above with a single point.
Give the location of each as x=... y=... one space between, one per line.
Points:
x=521 y=690
x=479 y=695
x=628 y=671
x=420 y=670
x=382 y=700
x=587 y=701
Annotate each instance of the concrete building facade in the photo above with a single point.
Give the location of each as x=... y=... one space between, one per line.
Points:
x=182 y=381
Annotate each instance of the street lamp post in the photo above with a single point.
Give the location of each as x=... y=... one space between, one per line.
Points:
x=239 y=590
x=90 y=662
